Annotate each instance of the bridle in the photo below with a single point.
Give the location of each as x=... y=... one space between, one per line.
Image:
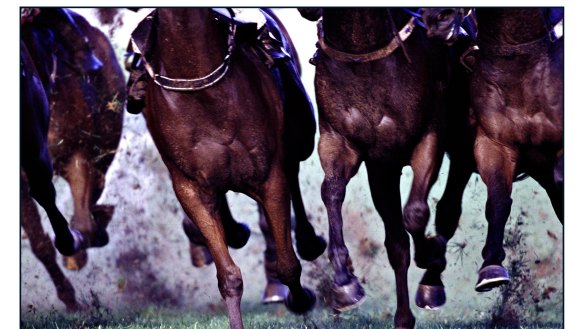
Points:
x=196 y=84
x=342 y=56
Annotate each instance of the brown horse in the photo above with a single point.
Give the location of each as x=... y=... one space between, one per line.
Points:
x=36 y=179
x=516 y=94
x=84 y=132
x=378 y=100
x=224 y=131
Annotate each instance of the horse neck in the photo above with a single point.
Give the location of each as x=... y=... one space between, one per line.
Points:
x=358 y=30
x=189 y=44
x=510 y=26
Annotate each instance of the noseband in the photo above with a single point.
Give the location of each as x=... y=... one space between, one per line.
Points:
x=342 y=56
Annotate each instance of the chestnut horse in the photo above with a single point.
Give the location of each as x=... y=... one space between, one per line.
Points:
x=300 y=128
x=379 y=102
x=516 y=94
x=83 y=134
x=223 y=131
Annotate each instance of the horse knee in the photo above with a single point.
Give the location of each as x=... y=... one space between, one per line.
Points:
x=416 y=217
x=230 y=282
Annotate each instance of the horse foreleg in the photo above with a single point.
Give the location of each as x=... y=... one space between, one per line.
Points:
x=275 y=291
x=237 y=234
x=340 y=163
x=81 y=178
x=546 y=179
x=496 y=165
x=430 y=294
x=43 y=249
x=67 y=241
x=200 y=255
x=308 y=244
x=202 y=208
x=275 y=198
x=425 y=162
x=384 y=185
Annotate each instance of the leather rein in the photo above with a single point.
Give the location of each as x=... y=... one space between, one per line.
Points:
x=342 y=56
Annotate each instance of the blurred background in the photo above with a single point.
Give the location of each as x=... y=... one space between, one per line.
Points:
x=147 y=261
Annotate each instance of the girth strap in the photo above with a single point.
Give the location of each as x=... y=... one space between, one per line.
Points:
x=341 y=56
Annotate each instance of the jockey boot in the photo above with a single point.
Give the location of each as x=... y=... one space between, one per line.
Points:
x=137 y=83
x=83 y=58
x=271 y=49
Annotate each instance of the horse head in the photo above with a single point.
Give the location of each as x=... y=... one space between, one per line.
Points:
x=444 y=23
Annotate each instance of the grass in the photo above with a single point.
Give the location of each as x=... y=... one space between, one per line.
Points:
x=272 y=317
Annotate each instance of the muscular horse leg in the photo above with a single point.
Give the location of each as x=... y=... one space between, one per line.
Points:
x=549 y=183
x=275 y=291
x=203 y=208
x=384 y=185
x=80 y=175
x=430 y=293
x=496 y=165
x=275 y=198
x=43 y=249
x=425 y=162
x=67 y=241
x=200 y=255
x=308 y=244
x=340 y=163
x=237 y=234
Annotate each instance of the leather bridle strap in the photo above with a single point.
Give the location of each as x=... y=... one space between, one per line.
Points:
x=341 y=56
x=196 y=84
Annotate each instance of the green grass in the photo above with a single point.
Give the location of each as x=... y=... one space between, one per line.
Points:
x=272 y=317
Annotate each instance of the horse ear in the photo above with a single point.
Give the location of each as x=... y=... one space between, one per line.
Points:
x=311 y=14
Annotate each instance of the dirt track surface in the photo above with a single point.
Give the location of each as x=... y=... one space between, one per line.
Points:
x=147 y=260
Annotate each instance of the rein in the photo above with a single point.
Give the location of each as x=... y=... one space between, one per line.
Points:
x=342 y=56
x=196 y=84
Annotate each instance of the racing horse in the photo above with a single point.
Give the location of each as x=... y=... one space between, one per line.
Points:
x=516 y=95
x=298 y=117
x=378 y=99
x=36 y=178
x=217 y=119
x=83 y=134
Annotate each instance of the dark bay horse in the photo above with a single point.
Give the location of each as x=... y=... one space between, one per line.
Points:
x=228 y=134
x=516 y=94
x=36 y=178
x=83 y=134
x=379 y=102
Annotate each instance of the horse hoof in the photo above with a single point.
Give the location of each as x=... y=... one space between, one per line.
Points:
x=491 y=277
x=347 y=297
x=70 y=246
x=305 y=304
x=275 y=292
x=311 y=251
x=430 y=297
x=75 y=262
x=239 y=237
x=200 y=256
